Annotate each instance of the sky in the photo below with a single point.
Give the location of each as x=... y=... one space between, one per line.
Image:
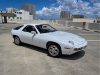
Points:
x=50 y=9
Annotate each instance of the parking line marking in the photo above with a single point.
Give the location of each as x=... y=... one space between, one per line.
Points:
x=94 y=40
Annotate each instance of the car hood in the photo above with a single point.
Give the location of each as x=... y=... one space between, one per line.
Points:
x=66 y=37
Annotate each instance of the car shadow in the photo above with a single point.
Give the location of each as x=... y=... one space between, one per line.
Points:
x=34 y=48
x=75 y=56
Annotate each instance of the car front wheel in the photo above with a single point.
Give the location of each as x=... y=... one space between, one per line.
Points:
x=54 y=50
x=17 y=40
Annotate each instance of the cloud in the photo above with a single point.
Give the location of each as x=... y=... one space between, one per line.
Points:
x=52 y=12
x=88 y=8
x=49 y=11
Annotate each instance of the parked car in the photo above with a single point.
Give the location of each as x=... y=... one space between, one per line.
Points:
x=45 y=36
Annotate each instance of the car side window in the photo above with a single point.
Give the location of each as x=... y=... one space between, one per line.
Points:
x=29 y=28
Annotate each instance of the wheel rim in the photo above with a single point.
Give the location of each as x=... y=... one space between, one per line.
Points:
x=17 y=41
x=53 y=50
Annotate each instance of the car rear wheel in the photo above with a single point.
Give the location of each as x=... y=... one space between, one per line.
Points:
x=54 y=50
x=17 y=40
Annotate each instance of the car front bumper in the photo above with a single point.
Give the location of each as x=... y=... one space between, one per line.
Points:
x=70 y=51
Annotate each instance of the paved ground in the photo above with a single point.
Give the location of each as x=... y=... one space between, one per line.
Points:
x=30 y=60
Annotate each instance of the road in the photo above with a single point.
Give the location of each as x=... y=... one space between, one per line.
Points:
x=31 y=60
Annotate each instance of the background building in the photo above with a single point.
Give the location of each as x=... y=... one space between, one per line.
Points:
x=4 y=16
x=65 y=15
x=77 y=16
x=81 y=18
x=0 y=19
x=13 y=14
x=27 y=12
x=30 y=8
x=98 y=19
x=20 y=14
x=23 y=15
x=88 y=20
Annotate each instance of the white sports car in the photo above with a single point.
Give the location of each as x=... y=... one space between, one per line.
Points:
x=47 y=37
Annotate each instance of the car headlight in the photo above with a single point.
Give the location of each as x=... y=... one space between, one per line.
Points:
x=71 y=42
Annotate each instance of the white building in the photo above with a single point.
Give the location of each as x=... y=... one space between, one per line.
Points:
x=0 y=19
x=23 y=15
x=20 y=14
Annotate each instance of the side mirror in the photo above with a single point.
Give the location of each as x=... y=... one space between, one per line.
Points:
x=33 y=32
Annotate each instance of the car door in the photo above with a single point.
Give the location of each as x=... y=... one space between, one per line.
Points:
x=39 y=39
x=27 y=34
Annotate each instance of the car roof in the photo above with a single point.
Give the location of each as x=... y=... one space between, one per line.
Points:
x=31 y=24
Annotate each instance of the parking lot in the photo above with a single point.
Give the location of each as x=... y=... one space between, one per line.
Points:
x=30 y=60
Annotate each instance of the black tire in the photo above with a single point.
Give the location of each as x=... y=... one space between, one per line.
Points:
x=54 y=50
x=17 y=40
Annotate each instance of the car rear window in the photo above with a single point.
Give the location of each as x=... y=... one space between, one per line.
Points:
x=18 y=27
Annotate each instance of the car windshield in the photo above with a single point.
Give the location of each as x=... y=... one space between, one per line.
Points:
x=45 y=28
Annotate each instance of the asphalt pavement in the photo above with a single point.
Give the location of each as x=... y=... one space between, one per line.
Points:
x=31 y=60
